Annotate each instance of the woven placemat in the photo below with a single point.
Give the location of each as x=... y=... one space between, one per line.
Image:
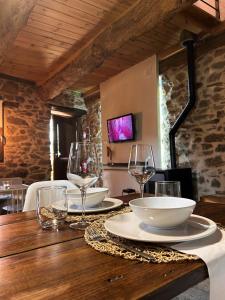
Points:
x=91 y=217
x=159 y=254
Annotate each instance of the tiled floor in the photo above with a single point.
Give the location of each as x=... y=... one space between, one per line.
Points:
x=198 y=292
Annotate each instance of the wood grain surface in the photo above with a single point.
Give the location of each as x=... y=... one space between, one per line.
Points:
x=60 y=265
x=141 y=17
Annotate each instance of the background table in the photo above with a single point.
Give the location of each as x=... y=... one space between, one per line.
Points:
x=37 y=264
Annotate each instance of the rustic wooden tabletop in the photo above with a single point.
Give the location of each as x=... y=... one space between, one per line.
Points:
x=37 y=264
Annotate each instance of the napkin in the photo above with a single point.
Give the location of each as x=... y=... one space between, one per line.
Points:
x=212 y=251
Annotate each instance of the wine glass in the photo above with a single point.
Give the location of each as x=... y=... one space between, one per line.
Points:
x=141 y=164
x=83 y=170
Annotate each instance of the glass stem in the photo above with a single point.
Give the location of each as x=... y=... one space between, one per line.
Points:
x=142 y=190
x=83 y=198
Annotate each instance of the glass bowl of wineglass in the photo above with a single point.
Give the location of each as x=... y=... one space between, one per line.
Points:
x=83 y=170
x=141 y=164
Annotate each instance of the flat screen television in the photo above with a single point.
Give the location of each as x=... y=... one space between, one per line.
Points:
x=121 y=129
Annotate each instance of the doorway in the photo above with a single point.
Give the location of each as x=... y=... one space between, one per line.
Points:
x=65 y=127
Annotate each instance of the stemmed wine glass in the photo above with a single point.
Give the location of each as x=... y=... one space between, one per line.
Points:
x=83 y=170
x=141 y=164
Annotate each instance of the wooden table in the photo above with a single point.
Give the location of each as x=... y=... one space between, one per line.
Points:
x=37 y=264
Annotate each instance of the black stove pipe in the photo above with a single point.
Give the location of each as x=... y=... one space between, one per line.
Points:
x=188 y=43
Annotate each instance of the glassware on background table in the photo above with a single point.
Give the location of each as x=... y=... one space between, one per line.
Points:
x=141 y=164
x=52 y=207
x=6 y=184
x=83 y=170
x=167 y=189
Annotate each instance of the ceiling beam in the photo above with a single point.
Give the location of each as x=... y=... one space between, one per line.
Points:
x=13 y=16
x=143 y=16
x=187 y=22
x=166 y=53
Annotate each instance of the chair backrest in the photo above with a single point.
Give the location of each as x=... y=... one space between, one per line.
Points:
x=12 y=180
x=31 y=195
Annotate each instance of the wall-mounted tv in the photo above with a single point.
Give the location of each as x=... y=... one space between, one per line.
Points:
x=121 y=129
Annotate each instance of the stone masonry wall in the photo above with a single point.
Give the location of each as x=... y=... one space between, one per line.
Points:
x=92 y=120
x=26 y=123
x=200 y=142
x=70 y=99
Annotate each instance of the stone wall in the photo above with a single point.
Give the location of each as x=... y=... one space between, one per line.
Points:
x=26 y=122
x=92 y=120
x=70 y=99
x=200 y=141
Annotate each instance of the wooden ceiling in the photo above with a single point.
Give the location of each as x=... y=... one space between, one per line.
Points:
x=57 y=31
x=54 y=30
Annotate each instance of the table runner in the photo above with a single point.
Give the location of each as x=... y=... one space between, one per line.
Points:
x=212 y=251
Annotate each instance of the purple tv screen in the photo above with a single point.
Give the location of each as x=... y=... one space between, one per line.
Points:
x=121 y=129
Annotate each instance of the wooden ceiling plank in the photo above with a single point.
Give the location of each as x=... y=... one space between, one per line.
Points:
x=143 y=16
x=82 y=14
x=43 y=63
x=48 y=34
x=20 y=51
x=23 y=75
x=25 y=56
x=54 y=29
x=39 y=38
x=21 y=68
x=69 y=11
x=85 y=7
x=113 y=6
x=80 y=26
x=14 y=15
x=61 y=17
x=49 y=20
x=27 y=44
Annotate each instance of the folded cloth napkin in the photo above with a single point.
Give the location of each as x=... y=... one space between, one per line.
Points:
x=31 y=195
x=212 y=251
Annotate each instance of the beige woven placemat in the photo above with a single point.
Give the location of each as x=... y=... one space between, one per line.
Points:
x=159 y=254
x=99 y=216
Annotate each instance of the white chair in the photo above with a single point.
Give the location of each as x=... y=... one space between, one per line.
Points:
x=30 y=199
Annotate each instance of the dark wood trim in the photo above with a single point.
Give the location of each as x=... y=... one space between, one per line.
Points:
x=17 y=79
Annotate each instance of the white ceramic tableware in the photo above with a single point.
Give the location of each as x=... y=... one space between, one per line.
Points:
x=130 y=227
x=162 y=212
x=93 y=198
x=106 y=205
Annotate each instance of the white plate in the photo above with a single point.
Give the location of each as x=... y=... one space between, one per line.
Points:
x=130 y=227
x=106 y=204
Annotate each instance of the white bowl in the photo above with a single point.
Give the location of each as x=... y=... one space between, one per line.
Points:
x=94 y=196
x=162 y=212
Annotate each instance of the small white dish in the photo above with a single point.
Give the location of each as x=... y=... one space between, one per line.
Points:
x=106 y=204
x=94 y=196
x=162 y=212
x=130 y=227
